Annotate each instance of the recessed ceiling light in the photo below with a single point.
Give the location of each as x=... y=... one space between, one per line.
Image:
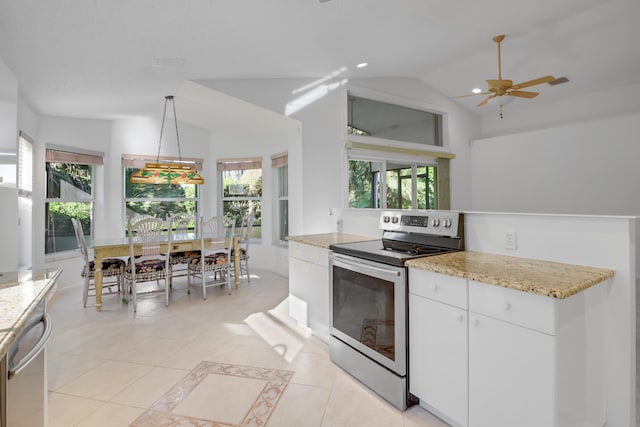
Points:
x=362 y=65
x=476 y=90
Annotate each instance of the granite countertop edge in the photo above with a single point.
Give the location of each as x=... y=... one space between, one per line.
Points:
x=8 y=335
x=529 y=272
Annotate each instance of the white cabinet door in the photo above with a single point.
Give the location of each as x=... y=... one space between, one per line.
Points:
x=309 y=286
x=438 y=357
x=511 y=375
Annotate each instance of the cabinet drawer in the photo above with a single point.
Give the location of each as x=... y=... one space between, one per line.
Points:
x=313 y=254
x=439 y=287
x=532 y=311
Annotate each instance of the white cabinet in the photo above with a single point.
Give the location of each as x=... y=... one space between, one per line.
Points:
x=309 y=287
x=438 y=345
x=535 y=360
x=511 y=375
x=486 y=356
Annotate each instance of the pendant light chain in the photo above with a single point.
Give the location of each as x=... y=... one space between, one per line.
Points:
x=175 y=117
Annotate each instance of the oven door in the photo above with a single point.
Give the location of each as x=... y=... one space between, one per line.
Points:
x=368 y=309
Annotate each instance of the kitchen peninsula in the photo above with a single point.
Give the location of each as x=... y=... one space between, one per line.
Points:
x=24 y=331
x=20 y=294
x=604 y=242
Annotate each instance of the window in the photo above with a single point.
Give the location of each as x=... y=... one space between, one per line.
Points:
x=280 y=163
x=157 y=200
x=408 y=185
x=69 y=190
x=241 y=181
x=371 y=118
x=25 y=166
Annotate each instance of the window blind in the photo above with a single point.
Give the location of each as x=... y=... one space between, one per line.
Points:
x=398 y=150
x=59 y=156
x=242 y=163
x=279 y=160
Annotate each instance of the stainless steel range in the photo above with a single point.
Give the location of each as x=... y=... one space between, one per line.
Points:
x=368 y=291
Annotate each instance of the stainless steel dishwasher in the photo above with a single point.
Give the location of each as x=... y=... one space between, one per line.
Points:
x=23 y=385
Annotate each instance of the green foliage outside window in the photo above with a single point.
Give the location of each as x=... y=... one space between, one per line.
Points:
x=69 y=196
x=159 y=200
x=364 y=186
x=242 y=194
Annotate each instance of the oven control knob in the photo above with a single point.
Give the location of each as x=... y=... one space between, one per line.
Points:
x=446 y=222
x=394 y=220
x=386 y=218
x=435 y=222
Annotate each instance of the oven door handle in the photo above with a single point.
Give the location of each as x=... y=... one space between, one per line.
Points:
x=349 y=260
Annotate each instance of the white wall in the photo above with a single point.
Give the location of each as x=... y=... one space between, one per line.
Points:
x=584 y=167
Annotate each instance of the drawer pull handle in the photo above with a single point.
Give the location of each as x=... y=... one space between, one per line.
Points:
x=460 y=317
x=435 y=288
x=507 y=306
x=476 y=322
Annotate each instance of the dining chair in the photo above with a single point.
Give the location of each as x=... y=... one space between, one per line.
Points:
x=147 y=262
x=112 y=268
x=180 y=224
x=243 y=243
x=215 y=255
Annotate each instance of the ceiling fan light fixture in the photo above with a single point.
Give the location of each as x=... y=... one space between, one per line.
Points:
x=501 y=100
x=180 y=172
x=476 y=90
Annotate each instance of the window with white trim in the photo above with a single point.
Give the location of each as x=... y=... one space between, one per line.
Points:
x=388 y=184
x=241 y=190
x=279 y=162
x=25 y=166
x=69 y=194
x=157 y=200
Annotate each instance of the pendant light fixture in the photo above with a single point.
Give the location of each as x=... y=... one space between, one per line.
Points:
x=168 y=172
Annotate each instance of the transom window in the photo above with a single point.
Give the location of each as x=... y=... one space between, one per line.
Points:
x=378 y=119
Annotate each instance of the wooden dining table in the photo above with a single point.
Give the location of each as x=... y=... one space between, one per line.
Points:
x=119 y=247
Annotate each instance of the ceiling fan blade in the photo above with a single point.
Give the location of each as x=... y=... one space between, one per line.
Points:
x=545 y=79
x=485 y=101
x=471 y=94
x=522 y=94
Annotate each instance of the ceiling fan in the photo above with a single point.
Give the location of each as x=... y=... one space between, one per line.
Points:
x=502 y=87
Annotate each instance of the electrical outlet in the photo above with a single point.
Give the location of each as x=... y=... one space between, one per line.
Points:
x=510 y=240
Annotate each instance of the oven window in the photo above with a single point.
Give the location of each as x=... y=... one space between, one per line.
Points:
x=363 y=308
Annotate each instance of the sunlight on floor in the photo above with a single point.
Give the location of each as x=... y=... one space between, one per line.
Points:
x=275 y=329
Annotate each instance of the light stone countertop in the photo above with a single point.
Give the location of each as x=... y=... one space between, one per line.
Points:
x=327 y=239
x=546 y=278
x=20 y=293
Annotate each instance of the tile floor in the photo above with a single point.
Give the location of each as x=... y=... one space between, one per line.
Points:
x=230 y=360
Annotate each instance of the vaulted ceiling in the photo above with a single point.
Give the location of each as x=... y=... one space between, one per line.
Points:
x=119 y=58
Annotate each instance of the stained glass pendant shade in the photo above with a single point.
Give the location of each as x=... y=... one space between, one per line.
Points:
x=167 y=173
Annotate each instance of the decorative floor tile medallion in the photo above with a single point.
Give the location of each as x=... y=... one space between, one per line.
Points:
x=257 y=414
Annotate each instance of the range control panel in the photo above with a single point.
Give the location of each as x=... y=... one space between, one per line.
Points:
x=442 y=223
